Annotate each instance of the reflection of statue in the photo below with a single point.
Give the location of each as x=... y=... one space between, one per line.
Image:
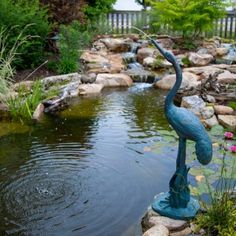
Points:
x=178 y=203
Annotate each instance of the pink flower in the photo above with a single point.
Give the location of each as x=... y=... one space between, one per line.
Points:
x=233 y=148
x=228 y=135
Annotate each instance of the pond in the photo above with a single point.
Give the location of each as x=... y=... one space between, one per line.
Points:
x=87 y=171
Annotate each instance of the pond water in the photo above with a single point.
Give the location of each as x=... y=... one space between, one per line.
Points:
x=87 y=171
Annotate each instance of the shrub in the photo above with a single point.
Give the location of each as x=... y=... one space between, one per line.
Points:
x=73 y=39
x=22 y=13
x=190 y=17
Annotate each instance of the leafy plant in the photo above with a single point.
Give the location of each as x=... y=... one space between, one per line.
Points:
x=7 y=57
x=189 y=17
x=218 y=181
x=22 y=106
x=233 y=105
x=73 y=39
x=22 y=13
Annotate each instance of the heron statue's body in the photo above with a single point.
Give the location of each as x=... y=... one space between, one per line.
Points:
x=177 y=203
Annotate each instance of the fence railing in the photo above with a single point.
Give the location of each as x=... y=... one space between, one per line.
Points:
x=121 y=22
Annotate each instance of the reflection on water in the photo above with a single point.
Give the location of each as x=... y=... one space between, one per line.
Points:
x=86 y=171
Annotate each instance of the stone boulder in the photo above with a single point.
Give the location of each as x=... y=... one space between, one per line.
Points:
x=194 y=103
x=166 y=42
x=90 y=89
x=97 y=63
x=117 y=45
x=146 y=52
x=157 y=230
x=114 y=80
x=25 y=85
x=200 y=59
x=167 y=82
x=228 y=121
x=59 y=80
x=204 y=71
x=221 y=51
x=227 y=78
x=223 y=110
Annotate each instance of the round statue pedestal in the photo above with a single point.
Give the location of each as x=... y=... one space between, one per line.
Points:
x=162 y=206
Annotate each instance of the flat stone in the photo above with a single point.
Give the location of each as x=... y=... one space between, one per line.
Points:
x=38 y=113
x=200 y=59
x=227 y=78
x=185 y=232
x=169 y=223
x=89 y=89
x=59 y=80
x=228 y=121
x=114 y=80
x=189 y=80
x=157 y=230
x=93 y=57
x=223 y=110
x=209 y=123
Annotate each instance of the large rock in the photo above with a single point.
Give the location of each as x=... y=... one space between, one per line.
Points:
x=24 y=85
x=157 y=230
x=59 y=80
x=193 y=103
x=96 y=63
x=90 y=89
x=166 y=42
x=146 y=52
x=228 y=121
x=227 y=78
x=207 y=112
x=117 y=44
x=114 y=80
x=170 y=224
x=204 y=71
x=223 y=110
x=189 y=80
x=200 y=59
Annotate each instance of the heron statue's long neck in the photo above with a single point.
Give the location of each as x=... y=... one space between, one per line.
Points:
x=171 y=58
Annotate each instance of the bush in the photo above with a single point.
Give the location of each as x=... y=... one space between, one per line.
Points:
x=73 y=39
x=22 y=13
x=190 y=17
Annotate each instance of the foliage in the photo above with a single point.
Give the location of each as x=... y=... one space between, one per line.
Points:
x=189 y=16
x=218 y=181
x=22 y=13
x=22 y=106
x=95 y=8
x=64 y=12
x=73 y=39
x=233 y=105
x=7 y=57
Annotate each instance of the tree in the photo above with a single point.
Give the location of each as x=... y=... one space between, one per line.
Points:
x=191 y=17
x=144 y=3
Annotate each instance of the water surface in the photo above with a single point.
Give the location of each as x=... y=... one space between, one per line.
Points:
x=88 y=171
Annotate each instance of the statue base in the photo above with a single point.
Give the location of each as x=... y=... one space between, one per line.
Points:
x=161 y=205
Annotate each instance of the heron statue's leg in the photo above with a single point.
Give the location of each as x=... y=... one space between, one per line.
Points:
x=179 y=190
x=181 y=157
